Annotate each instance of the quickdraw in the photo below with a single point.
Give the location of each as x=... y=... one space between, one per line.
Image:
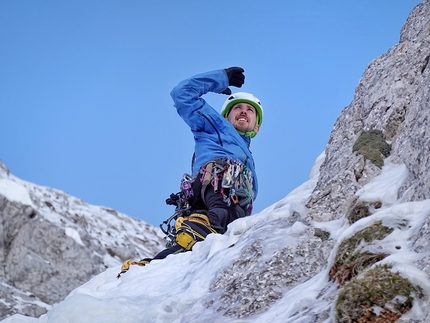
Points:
x=186 y=186
x=236 y=183
x=212 y=173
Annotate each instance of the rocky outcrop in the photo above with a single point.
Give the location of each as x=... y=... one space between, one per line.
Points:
x=388 y=121
x=392 y=97
x=52 y=242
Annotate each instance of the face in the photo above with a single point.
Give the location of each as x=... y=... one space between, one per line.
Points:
x=243 y=117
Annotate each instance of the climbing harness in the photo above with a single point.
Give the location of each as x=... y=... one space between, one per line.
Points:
x=236 y=182
x=186 y=226
x=190 y=226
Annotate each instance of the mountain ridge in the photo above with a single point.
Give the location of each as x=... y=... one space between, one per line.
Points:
x=53 y=242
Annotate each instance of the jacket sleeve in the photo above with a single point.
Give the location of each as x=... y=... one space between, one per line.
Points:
x=187 y=95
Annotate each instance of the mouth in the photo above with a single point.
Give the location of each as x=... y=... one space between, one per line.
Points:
x=242 y=119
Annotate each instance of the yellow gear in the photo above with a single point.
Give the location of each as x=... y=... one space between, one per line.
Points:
x=187 y=236
x=126 y=265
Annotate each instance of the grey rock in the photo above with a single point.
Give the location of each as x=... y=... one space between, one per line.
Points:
x=54 y=242
x=392 y=99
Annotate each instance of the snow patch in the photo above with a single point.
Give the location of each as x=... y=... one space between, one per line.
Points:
x=72 y=233
x=316 y=167
x=385 y=187
x=15 y=192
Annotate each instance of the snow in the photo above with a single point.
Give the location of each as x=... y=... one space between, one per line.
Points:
x=174 y=290
x=385 y=187
x=14 y=192
x=72 y=233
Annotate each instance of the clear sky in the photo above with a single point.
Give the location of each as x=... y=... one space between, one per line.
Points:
x=85 y=87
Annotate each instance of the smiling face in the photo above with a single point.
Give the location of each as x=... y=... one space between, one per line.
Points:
x=243 y=117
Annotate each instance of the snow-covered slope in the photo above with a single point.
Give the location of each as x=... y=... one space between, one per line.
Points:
x=222 y=279
x=53 y=242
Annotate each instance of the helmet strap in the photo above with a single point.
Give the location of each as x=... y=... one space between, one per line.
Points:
x=250 y=134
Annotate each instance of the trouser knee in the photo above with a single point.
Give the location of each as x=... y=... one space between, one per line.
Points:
x=220 y=217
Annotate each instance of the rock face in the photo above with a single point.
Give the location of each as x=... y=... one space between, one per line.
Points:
x=393 y=98
x=388 y=121
x=52 y=242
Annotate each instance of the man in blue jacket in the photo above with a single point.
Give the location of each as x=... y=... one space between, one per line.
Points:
x=223 y=184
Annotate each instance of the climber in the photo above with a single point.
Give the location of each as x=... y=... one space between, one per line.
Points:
x=223 y=184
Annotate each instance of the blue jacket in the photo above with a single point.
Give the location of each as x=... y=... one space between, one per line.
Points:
x=214 y=136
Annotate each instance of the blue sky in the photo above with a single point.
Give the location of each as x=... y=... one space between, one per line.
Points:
x=84 y=88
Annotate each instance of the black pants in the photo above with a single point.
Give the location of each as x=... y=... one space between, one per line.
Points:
x=169 y=251
x=220 y=214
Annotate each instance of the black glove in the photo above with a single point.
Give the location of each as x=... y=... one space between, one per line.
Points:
x=235 y=78
x=226 y=91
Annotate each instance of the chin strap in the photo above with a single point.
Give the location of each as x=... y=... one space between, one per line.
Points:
x=250 y=134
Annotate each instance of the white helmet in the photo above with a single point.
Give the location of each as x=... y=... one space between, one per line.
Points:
x=246 y=98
